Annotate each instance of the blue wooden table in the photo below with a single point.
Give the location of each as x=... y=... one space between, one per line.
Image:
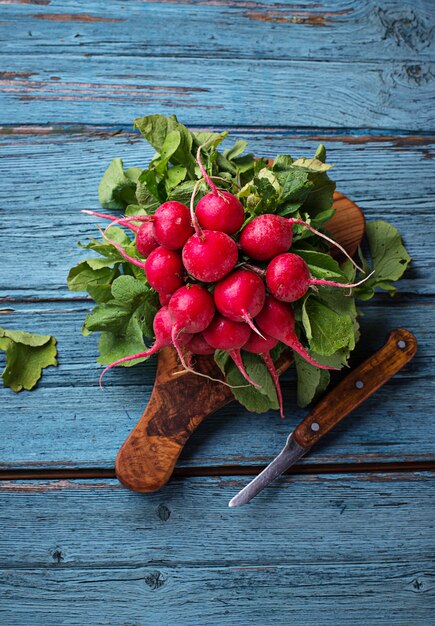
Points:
x=347 y=537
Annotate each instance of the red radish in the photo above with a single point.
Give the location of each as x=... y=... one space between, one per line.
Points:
x=145 y=239
x=162 y=326
x=258 y=345
x=277 y=320
x=240 y=296
x=225 y=334
x=192 y=309
x=266 y=236
x=220 y=211
x=198 y=345
x=269 y=235
x=172 y=224
x=210 y=256
x=164 y=298
x=164 y=270
x=288 y=278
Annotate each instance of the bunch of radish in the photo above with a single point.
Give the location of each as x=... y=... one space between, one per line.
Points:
x=203 y=262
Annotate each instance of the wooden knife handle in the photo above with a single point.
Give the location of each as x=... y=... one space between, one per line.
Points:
x=359 y=385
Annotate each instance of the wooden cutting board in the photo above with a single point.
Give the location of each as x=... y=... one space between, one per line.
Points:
x=180 y=401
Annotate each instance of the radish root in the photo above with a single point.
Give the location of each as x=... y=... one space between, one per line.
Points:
x=294 y=220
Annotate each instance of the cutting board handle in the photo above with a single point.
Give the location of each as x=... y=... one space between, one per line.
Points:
x=178 y=404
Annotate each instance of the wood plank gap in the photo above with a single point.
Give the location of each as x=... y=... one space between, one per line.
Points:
x=114 y=129
x=227 y=470
x=398 y=298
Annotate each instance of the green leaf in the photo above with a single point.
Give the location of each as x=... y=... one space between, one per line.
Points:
x=26 y=356
x=97 y=282
x=183 y=192
x=321 y=265
x=389 y=259
x=282 y=163
x=312 y=381
x=255 y=400
x=320 y=154
x=238 y=148
x=126 y=318
x=117 y=187
x=117 y=345
x=389 y=256
x=295 y=186
x=328 y=331
x=175 y=176
x=156 y=128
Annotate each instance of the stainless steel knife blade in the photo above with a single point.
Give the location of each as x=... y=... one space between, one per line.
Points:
x=291 y=453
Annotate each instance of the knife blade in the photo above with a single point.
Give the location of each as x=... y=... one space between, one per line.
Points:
x=360 y=384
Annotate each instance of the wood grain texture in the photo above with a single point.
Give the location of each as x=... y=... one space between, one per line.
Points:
x=328 y=594
x=362 y=382
x=340 y=30
x=118 y=528
x=389 y=176
x=75 y=425
x=312 y=550
x=178 y=405
x=98 y=89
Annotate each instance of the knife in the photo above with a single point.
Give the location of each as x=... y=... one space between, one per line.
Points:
x=360 y=384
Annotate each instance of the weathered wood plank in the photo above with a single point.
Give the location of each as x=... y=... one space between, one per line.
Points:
x=99 y=89
x=309 y=550
x=300 y=520
x=389 y=176
x=399 y=594
x=67 y=422
x=340 y=30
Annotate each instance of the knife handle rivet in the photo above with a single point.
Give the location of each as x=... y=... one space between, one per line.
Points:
x=401 y=344
x=315 y=427
x=359 y=384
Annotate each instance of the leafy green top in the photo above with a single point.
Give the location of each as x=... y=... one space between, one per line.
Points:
x=26 y=356
x=326 y=318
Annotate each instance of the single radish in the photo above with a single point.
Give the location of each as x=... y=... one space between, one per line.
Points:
x=263 y=346
x=162 y=325
x=277 y=320
x=240 y=296
x=192 y=309
x=172 y=225
x=220 y=211
x=210 y=256
x=225 y=334
x=288 y=278
x=145 y=239
x=198 y=345
x=164 y=270
x=268 y=235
